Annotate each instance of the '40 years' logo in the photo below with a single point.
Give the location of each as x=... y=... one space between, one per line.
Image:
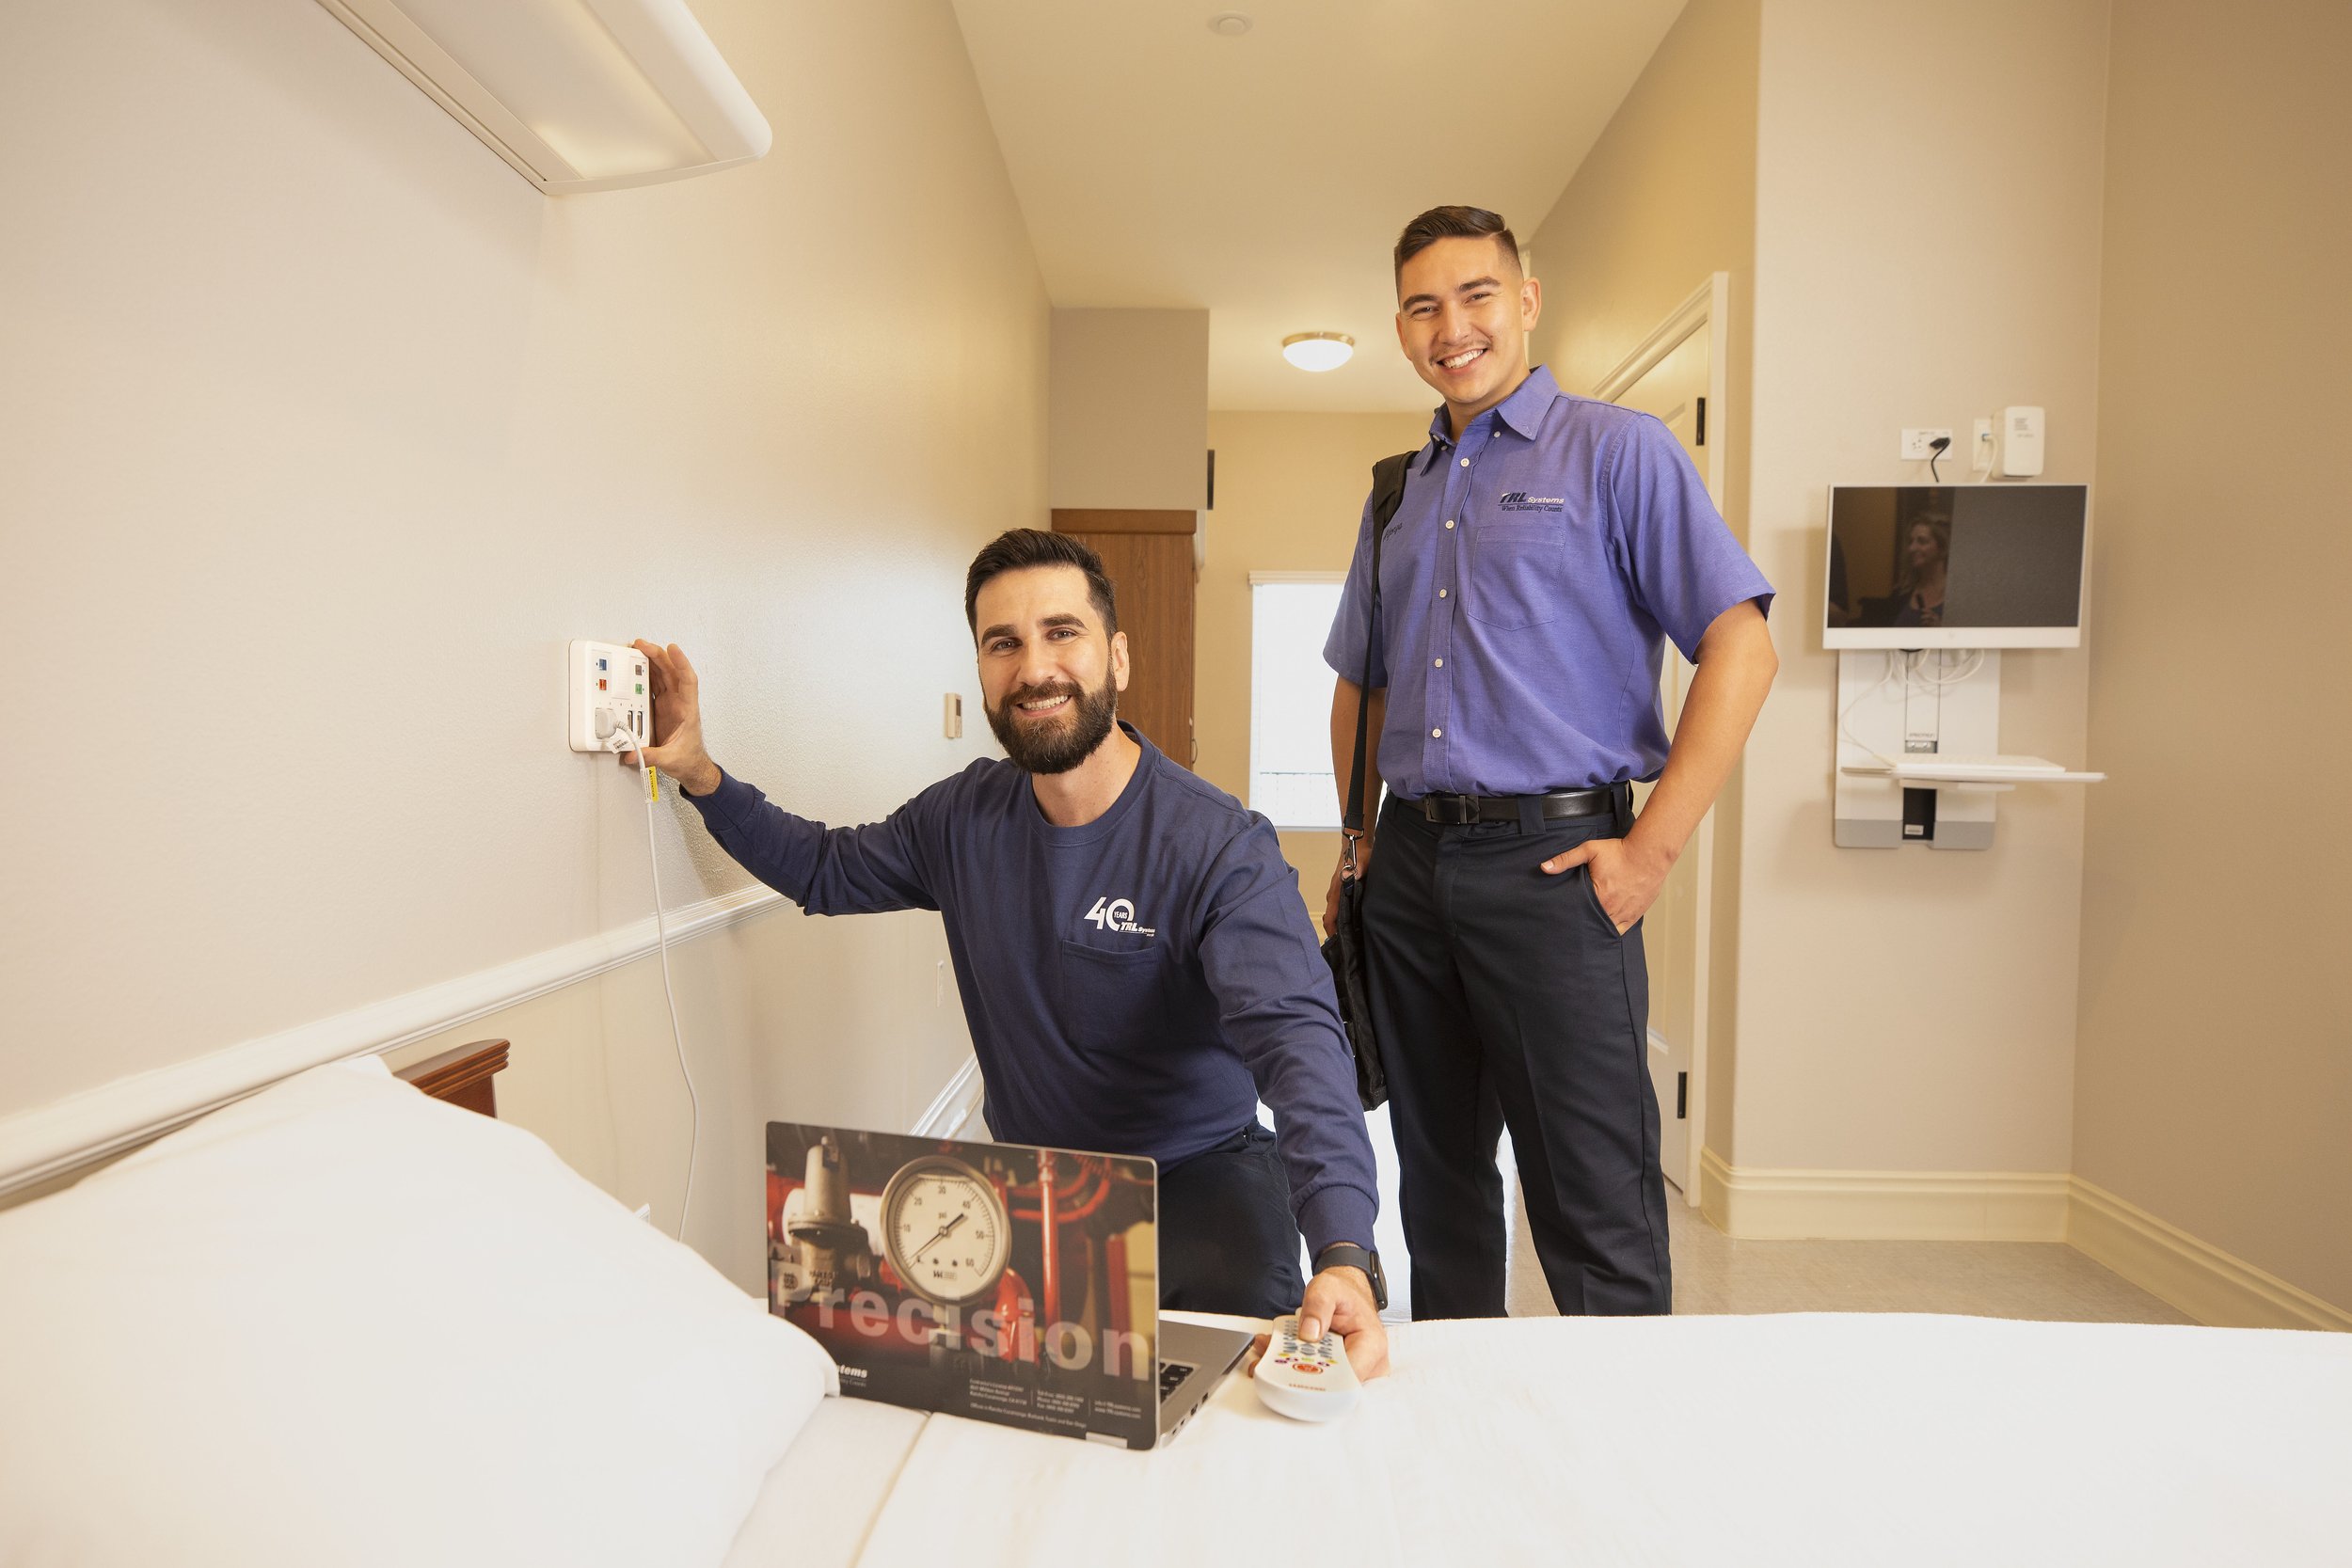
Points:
x=1117 y=914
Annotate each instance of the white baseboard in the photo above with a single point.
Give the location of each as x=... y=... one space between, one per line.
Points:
x=2167 y=1263
x=2204 y=1281
x=1883 y=1205
x=37 y=1144
x=951 y=1114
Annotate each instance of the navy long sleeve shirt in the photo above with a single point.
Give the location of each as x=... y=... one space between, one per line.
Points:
x=1134 y=986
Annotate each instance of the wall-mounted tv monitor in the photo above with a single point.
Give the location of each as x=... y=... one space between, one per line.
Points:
x=1955 y=566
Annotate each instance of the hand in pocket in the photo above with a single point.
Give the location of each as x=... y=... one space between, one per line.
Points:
x=1625 y=885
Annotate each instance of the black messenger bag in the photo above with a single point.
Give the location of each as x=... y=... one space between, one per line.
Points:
x=1344 y=949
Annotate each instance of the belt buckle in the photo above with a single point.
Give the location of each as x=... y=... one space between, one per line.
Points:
x=1450 y=810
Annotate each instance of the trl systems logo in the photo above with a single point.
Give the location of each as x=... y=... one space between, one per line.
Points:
x=1117 y=914
x=1520 y=500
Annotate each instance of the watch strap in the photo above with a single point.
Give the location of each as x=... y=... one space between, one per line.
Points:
x=1348 y=1255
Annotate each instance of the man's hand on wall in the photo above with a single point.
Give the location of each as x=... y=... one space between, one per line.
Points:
x=677 y=721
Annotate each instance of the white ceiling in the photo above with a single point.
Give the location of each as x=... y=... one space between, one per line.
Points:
x=1265 y=177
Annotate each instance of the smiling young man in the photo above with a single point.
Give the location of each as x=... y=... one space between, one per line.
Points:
x=1544 y=546
x=1136 y=968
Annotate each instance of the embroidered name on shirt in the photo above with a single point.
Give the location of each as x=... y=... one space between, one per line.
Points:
x=1520 y=500
x=1117 y=914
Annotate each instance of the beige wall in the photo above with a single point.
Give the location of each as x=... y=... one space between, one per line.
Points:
x=1927 y=244
x=853 y=1021
x=2215 y=1078
x=1667 y=198
x=1290 y=497
x=323 y=431
x=1129 y=401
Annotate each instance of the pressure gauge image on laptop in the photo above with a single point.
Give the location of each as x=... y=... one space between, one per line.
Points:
x=944 y=1230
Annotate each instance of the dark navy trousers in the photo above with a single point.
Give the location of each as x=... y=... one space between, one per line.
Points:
x=1502 y=996
x=1228 y=1243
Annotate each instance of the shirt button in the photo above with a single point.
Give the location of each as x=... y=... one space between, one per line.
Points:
x=1442 y=592
x=1465 y=462
x=1435 y=734
x=1448 y=522
x=1440 y=663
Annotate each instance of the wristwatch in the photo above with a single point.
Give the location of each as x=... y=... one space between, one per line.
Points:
x=1348 y=1255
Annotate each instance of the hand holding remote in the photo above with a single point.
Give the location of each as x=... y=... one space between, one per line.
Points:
x=1308 y=1379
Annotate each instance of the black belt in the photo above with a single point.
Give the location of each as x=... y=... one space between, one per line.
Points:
x=1458 y=809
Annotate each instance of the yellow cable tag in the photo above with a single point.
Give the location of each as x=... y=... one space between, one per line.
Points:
x=653 y=784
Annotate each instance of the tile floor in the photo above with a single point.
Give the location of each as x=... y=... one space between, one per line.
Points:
x=1715 y=1274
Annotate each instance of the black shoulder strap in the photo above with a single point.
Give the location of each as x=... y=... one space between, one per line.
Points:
x=1387 y=492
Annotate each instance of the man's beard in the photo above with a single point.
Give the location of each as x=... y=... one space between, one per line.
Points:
x=1058 y=749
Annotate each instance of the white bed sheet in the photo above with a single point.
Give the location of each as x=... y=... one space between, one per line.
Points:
x=1802 y=1440
x=818 y=1503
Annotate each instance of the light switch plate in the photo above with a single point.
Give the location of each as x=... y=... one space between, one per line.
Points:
x=951 y=716
x=606 y=688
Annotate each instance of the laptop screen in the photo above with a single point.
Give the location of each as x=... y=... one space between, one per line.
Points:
x=999 y=1281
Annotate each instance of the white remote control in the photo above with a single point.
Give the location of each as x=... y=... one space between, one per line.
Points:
x=1306 y=1380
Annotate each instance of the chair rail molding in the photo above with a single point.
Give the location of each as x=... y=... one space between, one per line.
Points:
x=39 y=1144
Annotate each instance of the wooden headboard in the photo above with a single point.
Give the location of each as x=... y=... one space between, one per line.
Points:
x=463 y=1076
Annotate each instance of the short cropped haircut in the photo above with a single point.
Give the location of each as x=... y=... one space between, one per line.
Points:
x=1016 y=549
x=1454 y=223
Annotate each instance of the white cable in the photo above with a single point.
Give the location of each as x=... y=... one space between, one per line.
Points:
x=1942 y=680
x=1893 y=663
x=621 y=742
x=1907 y=661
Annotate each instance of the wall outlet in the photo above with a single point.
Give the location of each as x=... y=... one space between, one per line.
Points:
x=1980 y=454
x=1918 y=447
x=605 y=688
x=951 y=716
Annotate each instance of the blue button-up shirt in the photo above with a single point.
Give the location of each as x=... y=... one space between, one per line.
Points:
x=1526 y=585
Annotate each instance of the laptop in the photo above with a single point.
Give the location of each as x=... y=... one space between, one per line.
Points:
x=1005 y=1282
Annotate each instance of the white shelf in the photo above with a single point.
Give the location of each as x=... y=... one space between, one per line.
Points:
x=1927 y=771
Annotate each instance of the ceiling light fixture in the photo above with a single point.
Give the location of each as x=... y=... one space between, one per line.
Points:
x=1230 y=24
x=1318 y=351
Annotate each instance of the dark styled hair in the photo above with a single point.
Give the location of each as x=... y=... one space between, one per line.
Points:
x=1454 y=223
x=1017 y=548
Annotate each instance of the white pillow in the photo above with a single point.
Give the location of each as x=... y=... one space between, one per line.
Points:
x=340 y=1323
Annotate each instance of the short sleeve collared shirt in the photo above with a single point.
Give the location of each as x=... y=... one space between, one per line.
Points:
x=1528 y=584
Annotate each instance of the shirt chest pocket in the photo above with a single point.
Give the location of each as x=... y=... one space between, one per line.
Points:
x=1112 y=1002
x=1515 y=566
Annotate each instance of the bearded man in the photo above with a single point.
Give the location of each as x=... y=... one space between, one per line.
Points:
x=1137 y=967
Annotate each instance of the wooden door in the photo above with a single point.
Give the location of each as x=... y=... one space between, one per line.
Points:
x=1148 y=557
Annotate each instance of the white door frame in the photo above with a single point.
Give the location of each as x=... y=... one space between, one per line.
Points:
x=1707 y=306
x=1707 y=310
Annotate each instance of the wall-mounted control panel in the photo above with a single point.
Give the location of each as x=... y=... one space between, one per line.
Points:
x=606 y=690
